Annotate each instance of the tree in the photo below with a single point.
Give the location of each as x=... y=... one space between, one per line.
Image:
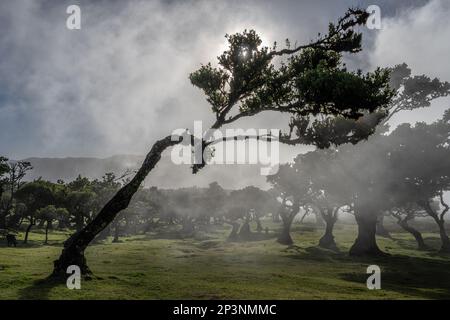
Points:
x=4 y=168
x=411 y=148
x=364 y=169
x=16 y=171
x=293 y=185
x=243 y=206
x=311 y=81
x=412 y=92
x=35 y=195
x=79 y=204
x=48 y=214
x=327 y=190
x=389 y=173
x=406 y=213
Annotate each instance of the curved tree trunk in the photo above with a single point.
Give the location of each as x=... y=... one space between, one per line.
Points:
x=285 y=237
x=304 y=216
x=27 y=232
x=416 y=234
x=74 y=247
x=327 y=240
x=365 y=243
x=445 y=246
x=445 y=241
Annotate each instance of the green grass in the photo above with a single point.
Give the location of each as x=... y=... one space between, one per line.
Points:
x=147 y=267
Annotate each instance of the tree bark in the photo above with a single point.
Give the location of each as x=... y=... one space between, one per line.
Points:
x=2 y=220
x=327 y=240
x=366 y=244
x=103 y=235
x=287 y=218
x=74 y=247
x=25 y=240
x=285 y=237
x=416 y=234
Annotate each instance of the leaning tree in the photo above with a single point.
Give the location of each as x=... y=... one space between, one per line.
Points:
x=406 y=212
x=420 y=168
x=308 y=81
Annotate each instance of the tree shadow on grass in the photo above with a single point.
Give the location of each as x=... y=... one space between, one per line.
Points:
x=40 y=289
x=432 y=243
x=315 y=253
x=411 y=276
x=425 y=278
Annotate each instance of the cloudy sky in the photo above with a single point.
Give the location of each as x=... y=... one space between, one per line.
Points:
x=121 y=82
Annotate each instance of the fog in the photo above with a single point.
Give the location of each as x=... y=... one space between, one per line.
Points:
x=91 y=122
x=121 y=82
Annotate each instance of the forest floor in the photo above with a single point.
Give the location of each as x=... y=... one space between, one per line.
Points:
x=208 y=267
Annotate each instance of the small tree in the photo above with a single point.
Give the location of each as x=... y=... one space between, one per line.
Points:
x=406 y=213
x=35 y=195
x=15 y=172
x=293 y=185
x=327 y=191
x=48 y=214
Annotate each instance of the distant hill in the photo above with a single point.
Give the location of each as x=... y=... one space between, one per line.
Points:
x=165 y=175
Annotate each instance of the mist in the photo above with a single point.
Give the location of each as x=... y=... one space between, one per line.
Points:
x=92 y=120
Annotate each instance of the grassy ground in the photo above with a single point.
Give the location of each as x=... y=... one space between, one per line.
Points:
x=147 y=267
